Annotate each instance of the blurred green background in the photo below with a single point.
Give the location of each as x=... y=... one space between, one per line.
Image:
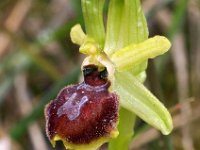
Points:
x=37 y=59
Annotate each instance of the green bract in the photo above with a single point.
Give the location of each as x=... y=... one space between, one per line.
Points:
x=124 y=50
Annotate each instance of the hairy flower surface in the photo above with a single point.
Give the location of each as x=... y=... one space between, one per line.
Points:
x=85 y=115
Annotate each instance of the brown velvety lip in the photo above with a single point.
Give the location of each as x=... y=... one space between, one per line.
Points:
x=84 y=112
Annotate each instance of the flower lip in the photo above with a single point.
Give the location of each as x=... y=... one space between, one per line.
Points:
x=84 y=113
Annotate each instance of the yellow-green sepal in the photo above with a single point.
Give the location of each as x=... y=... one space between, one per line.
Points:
x=135 y=97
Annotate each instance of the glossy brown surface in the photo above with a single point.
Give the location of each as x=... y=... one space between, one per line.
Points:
x=84 y=112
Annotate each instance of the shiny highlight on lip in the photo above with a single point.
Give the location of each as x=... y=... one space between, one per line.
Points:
x=83 y=113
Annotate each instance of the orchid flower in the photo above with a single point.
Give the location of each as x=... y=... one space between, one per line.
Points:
x=105 y=104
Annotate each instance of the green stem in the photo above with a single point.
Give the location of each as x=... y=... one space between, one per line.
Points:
x=125 y=127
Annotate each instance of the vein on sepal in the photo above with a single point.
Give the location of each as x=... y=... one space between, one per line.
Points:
x=134 y=54
x=139 y=100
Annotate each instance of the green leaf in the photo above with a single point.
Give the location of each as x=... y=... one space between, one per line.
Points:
x=93 y=17
x=139 y=100
x=125 y=127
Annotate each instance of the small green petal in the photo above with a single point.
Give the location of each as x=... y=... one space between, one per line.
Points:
x=139 y=100
x=77 y=35
x=134 y=54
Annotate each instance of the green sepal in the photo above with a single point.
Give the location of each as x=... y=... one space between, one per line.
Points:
x=93 y=18
x=126 y=24
x=135 y=97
